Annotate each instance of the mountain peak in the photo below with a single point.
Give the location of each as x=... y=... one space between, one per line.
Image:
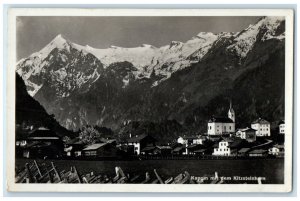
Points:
x=59 y=41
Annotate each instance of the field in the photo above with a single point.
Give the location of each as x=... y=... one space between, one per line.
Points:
x=271 y=169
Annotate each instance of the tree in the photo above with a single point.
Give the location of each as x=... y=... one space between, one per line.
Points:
x=89 y=135
x=66 y=139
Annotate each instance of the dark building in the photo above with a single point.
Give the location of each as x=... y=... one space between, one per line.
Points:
x=258 y=153
x=243 y=152
x=43 y=143
x=74 y=147
x=249 y=134
x=141 y=142
x=163 y=150
x=100 y=150
x=178 y=149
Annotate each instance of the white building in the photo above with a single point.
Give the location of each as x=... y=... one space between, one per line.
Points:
x=191 y=140
x=140 y=142
x=277 y=150
x=248 y=134
x=231 y=113
x=262 y=127
x=222 y=125
x=282 y=127
x=223 y=149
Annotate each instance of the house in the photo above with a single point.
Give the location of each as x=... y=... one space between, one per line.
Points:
x=188 y=140
x=178 y=150
x=148 y=150
x=224 y=149
x=277 y=150
x=100 y=150
x=249 y=134
x=281 y=127
x=201 y=152
x=243 y=152
x=258 y=153
x=128 y=150
x=74 y=147
x=21 y=136
x=140 y=142
x=222 y=125
x=262 y=127
x=163 y=150
x=43 y=143
x=190 y=150
x=228 y=146
x=21 y=142
x=30 y=150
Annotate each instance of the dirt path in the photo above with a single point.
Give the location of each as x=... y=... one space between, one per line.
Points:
x=264 y=144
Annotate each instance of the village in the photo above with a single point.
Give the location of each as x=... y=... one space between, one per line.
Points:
x=222 y=140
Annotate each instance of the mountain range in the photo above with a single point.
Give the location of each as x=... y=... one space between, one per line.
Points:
x=186 y=82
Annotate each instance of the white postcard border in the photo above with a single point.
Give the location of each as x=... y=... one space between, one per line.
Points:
x=10 y=102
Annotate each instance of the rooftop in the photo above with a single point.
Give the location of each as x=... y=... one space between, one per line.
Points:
x=244 y=150
x=150 y=148
x=163 y=147
x=246 y=129
x=139 y=138
x=220 y=120
x=178 y=149
x=94 y=146
x=260 y=121
x=258 y=151
x=200 y=151
x=43 y=133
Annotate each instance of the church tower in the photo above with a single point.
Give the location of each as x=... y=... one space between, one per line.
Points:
x=231 y=114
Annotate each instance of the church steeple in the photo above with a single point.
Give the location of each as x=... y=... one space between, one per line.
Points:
x=231 y=114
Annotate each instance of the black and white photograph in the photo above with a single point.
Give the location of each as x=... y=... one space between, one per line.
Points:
x=149 y=100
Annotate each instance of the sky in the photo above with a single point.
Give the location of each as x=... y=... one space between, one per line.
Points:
x=33 y=33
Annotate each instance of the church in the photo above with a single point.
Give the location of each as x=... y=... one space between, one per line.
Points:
x=222 y=125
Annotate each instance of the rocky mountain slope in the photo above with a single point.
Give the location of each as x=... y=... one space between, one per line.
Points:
x=186 y=82
x=30 y=112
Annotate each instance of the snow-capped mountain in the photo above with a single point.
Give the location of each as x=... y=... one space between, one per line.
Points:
x=146 y=59
x=245 y=40
x=85 y=85
x=62 y=63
